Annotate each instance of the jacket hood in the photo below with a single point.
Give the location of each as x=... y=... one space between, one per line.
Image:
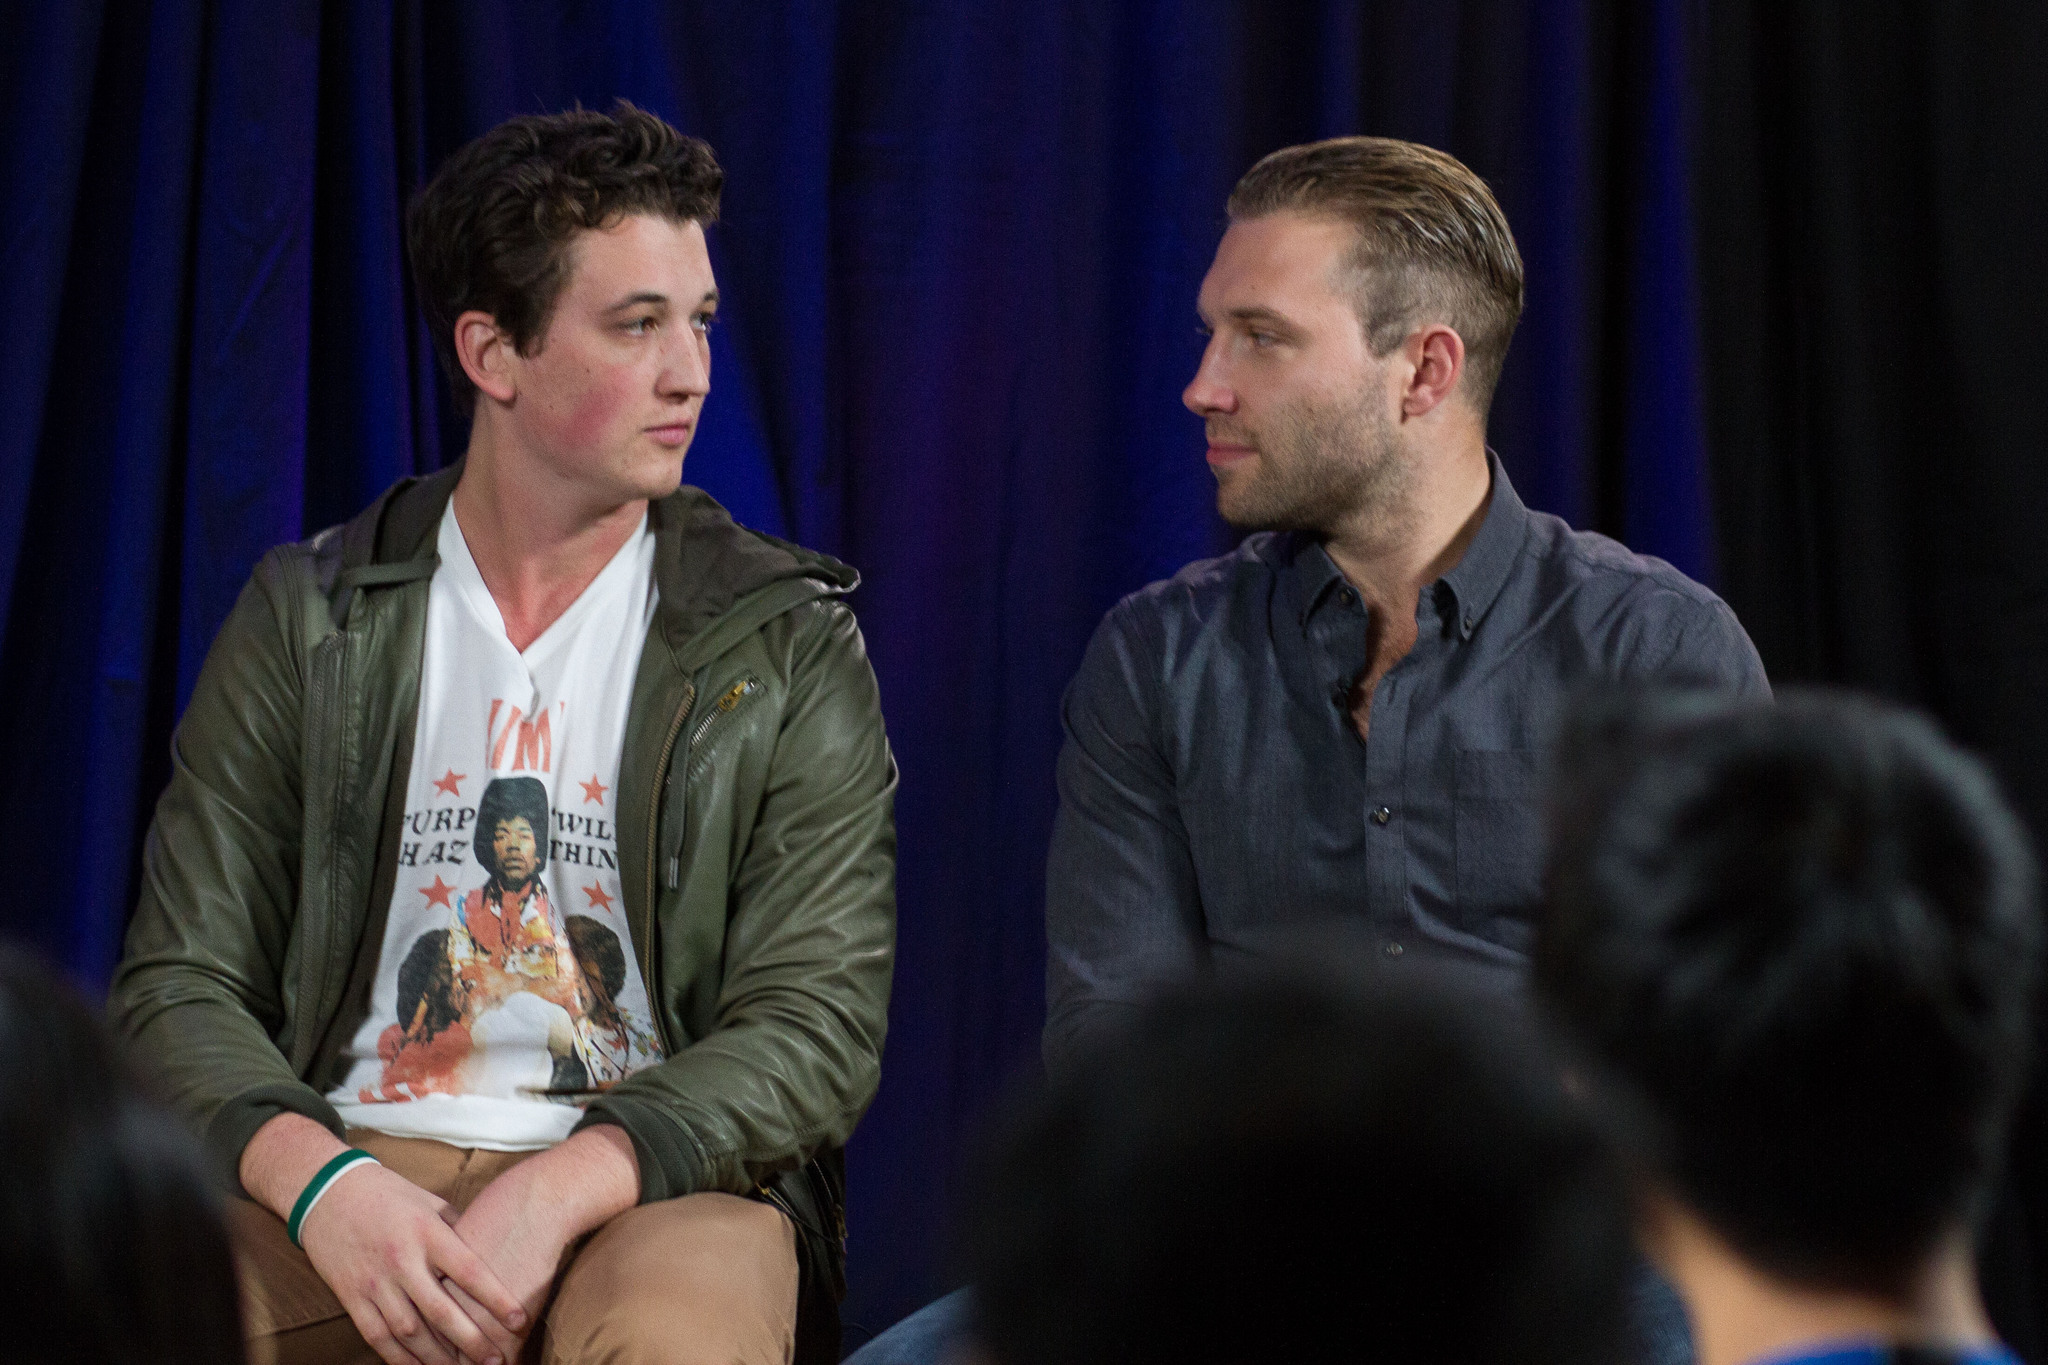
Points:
x=715 y=576
x=707 y=564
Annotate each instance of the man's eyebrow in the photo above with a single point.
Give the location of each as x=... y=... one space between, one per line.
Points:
x=1257 y=314
x=710 y=300
x=1252 y=313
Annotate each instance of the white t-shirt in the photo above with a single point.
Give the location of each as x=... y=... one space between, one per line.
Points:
x=507 y=991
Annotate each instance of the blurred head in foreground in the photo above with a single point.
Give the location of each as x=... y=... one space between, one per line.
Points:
x=1794 y=946
x=1294 y=1170
x=111 y=1245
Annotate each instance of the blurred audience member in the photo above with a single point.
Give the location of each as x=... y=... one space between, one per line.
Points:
x=1300 y=1172
x=1796 y=946
x=111 y=1245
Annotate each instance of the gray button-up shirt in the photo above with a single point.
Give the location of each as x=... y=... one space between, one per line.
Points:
x=1213 y=793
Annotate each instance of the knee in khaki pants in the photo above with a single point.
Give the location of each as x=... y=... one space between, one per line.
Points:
x=707 y=1277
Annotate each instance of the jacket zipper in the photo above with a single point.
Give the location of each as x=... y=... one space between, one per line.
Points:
x=738 y=692
x=668 y=746
x=723 y=707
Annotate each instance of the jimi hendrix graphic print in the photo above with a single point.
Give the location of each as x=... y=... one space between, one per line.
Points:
x=507 y=993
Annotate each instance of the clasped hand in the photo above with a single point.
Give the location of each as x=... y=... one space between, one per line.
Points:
x=426 y=1287
x=417 y=1292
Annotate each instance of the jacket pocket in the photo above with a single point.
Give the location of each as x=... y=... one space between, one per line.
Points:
x=1497 y=798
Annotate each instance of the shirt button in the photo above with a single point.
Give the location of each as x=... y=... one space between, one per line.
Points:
x=1392 y=950
x=1380 y=815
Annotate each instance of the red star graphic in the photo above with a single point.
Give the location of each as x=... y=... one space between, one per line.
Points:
x=438 y=893
x=450 y=782
x=594 y=790
x=597 y=896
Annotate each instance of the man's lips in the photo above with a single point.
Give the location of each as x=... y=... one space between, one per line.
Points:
x=1224 y=452
x=674 y=434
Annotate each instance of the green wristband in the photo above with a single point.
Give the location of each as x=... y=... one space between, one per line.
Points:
x=317 y=1186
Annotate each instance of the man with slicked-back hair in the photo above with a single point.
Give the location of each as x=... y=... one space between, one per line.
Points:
x=1341 y=720
x=518 y=923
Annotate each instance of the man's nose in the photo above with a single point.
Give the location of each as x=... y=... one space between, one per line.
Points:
x=1206 y=393
x=686 y=372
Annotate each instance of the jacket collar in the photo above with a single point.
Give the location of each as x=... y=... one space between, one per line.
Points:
x=1474 y=581
x=706 y=565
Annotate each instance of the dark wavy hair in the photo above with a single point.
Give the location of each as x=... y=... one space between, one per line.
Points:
x=503 y=799
x=112 y=1243
x=492 y=230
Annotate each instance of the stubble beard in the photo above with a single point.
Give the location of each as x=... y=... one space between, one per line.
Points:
x=1319 y=467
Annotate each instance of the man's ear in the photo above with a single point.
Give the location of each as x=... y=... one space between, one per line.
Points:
x=486 y=355
x=1436 y=354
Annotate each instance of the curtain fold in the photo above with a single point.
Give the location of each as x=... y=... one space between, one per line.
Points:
x=1871 y=215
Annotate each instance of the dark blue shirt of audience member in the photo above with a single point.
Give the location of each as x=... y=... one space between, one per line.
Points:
x=1876 y=1354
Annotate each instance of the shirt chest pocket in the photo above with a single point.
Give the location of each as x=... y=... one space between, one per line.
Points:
x=1497 y=798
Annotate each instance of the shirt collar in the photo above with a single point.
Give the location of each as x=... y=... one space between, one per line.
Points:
x=1316 y=575
x=1474 y=581
x=1477 y=578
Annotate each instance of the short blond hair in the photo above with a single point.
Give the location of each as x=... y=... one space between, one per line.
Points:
x=1432 y=242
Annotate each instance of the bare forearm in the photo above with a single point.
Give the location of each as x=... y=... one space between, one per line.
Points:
x=285 y=1154
x=588 y=1179
x=524 y=1220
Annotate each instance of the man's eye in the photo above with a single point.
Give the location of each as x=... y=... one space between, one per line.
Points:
x=1261 y=340
x=639 y=327
x=704 y=322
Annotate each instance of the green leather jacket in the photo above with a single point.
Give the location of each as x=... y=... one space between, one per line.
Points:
x=756 y=844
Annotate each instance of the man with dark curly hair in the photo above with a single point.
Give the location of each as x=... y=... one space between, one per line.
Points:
x=519 y=921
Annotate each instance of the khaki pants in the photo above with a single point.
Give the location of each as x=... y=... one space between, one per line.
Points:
x=707 y=1277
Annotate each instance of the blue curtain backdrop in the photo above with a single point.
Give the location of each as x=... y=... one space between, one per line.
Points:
x=960 y=253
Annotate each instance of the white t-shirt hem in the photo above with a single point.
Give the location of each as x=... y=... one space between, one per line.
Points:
x=463 y=1121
